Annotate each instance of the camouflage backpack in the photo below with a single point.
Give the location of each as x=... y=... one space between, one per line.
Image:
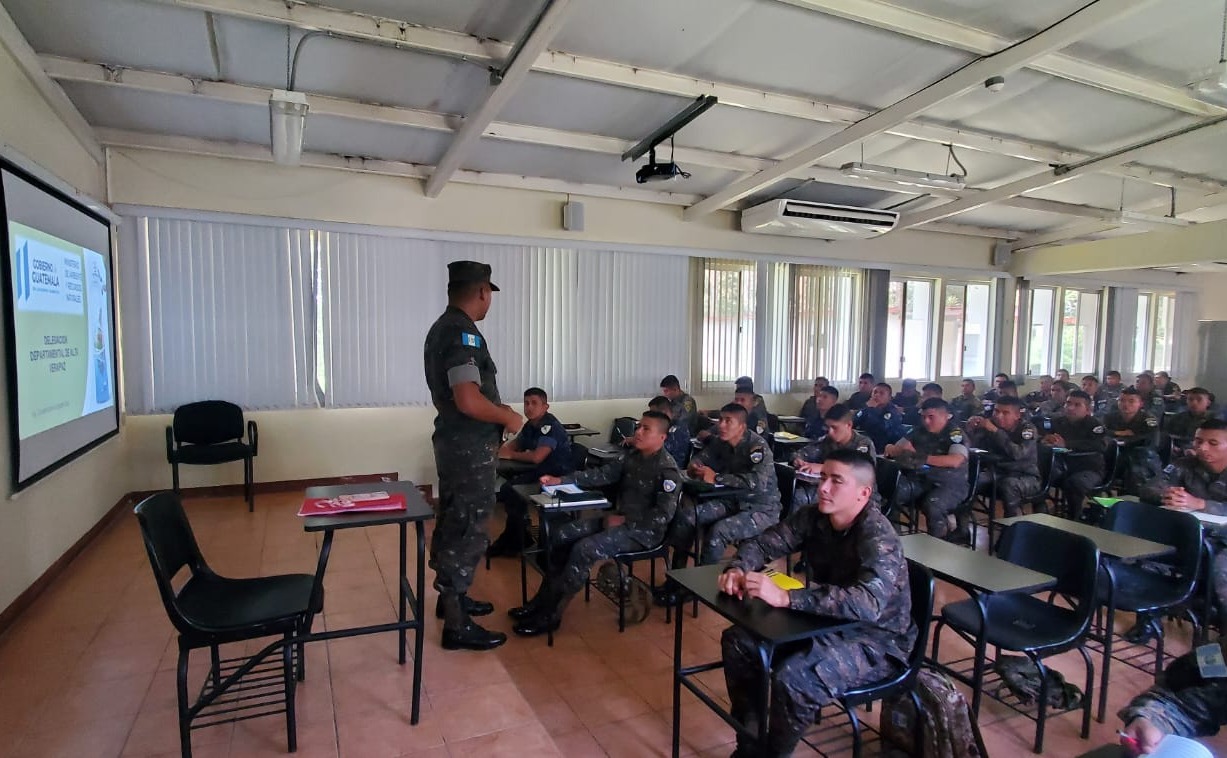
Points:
x=638 y=596
x=948 y=728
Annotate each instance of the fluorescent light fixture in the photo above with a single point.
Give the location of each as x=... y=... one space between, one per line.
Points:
x=1212 y=88
x=288 y=111
x=1149 y=221
x=903 y=176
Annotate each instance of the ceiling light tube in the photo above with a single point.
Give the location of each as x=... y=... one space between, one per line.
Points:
x=903 y=176
x=288 y=114
x=1149 y=221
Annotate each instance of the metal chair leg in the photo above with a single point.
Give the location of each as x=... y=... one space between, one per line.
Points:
x=1042 y=717
x=185 y=727
x=856 y=731
x=287 y=665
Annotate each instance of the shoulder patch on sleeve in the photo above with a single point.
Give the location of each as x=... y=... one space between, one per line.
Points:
x=886 y=415
x=672 y=429
x=956 y=436
x=756 y=455
x=1151 y=421
x=1098 y=430
x=470 y=340
x=863 y=449
x=668 y=485
x=688 y=405
x=1028 y=433
x=545 y=429
x=1170 y=469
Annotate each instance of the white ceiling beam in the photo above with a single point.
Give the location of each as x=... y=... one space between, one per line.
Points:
x=65 y=69
x=940 y=31
x=1064 y=173
x=513 y=75
x=27 y=60
x=1055 y=37
x=1061 y=234
x=467 y=47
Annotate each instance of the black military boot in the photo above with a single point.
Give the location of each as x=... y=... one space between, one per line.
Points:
x=548 y=619
x=459 y=631
x=531 y=608
x=468 y=605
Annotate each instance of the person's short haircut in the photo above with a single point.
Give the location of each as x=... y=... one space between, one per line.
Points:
x=935 y=403
x=733 y=409
x=932 y=387
x=1163 y=374
x=663 y=422
x=1008 y=385
x=830 y=390
x=1009 y=401
x=839 y=412
x=660 y=401
x=825 y=382
x=1091 y=377
x=866 y=375
x=1113 y=373
x=1001 y=376
x=972 y=382
x=1199 y=391
x=889 y=388
x=1131 y=392
x=670 y=382
x=1046 y=376
x=537 y=392
x=861 y=465
x=1209 y=425
x=1079 y=395
x=743 y=390
x=909 y=383
x=1146 y=374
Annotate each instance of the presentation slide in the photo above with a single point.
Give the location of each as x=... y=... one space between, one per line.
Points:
x=63 y=338
x=59 y=318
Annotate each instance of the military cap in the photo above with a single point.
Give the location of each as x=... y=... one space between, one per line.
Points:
x=463 y=272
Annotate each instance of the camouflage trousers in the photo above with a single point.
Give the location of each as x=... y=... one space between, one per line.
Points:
x=586 y=544
x=1218 y=575
x=805 y=676
x=1074 y=489
x=1012 y=489
x=466 y=497
x=1141 y=465
x=938 y=499
x=728 y=526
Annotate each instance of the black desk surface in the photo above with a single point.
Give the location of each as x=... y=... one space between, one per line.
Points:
x=1112 y=544
x=777 y=625
x=704 y=491
x=416 y=507
x=507 y=466
x=971 y=568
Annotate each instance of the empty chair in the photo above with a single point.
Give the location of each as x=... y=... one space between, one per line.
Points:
x=211 y=432
x=211 y=610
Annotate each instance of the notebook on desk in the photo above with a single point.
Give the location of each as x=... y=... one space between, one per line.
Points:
x=358 y=503
x=563 y=499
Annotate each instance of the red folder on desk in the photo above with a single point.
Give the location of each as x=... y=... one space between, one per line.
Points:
x=362 y=502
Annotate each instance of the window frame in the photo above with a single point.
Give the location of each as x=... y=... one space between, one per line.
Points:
x=1156 y=300
x=857 y=328
x=935 y=338
x=1056 y=329
x=702 y=267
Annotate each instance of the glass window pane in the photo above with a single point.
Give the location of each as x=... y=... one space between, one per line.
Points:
x=1039 y=348
x=1165 y=307
x=1141 y=341
x=1080 y=331
x=826 y=335
x=917 y=330
x=894 y=330
x=953 y=323
x=728 y=320
x=976 y=330
x=1069 y=329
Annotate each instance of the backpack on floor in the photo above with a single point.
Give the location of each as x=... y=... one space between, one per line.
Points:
x=638 y=596
x=948 y=728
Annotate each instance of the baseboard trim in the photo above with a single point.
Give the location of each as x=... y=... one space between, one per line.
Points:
x=23 y=601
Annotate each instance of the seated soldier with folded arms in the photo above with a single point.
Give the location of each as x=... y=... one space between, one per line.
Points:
x=1082 y=469
x=858 y=573
x=1010 y=439
x=649 y=484
x=933 y=458
x=1137 y=433
x=738 y=459
x=1197 y=411
x=880 y=420
x=840 y=436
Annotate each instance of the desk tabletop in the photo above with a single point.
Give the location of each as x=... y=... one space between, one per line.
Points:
x=1112 y=544
x=505 y=466
x=416 y=507
x=580 y=431
x=531 y=492
x=969 y=568
x=704 y=491
x=777 y=625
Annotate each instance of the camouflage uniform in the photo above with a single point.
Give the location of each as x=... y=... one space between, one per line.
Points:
x=862 y=575
x=942 y=488
x=686 y=414
x=1140 y=459
x=758 y=422
x=749 y=466
x=677 y=443
x=1200 y=482
x=1082 y=469
x=882 y=425
x=964 y=407
x=465 y=449
x=547 y=431
x=858 y=400
x=1016 y=468
x=814 y=426
x=1109 y=396
x=1037 y=398
x=817 y=452
x=1183 y=424
x=648 y=492
x=1184 y=703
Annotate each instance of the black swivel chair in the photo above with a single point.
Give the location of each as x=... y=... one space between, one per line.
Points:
x=211 y=432
x=1032 y=626
x=921 y=583
x=211 y=610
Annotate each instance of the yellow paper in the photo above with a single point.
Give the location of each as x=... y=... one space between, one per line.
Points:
x=784 y=581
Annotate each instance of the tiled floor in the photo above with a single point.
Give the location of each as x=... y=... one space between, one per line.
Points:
x=89 y=669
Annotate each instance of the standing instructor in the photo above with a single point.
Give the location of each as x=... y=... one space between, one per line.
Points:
x=461 y=377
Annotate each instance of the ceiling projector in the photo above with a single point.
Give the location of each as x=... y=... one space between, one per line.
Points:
x=659 y=172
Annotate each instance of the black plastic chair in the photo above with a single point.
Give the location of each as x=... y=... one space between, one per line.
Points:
x=1138 y=590
x=210 y=610
x=211 y=432
x=786 y=477
x=626 y=573
x=886 y=486
x=623 y=429
x=1032 y=626
x=921 y=584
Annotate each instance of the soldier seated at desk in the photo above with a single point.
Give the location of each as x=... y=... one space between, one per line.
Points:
x=815 y=409
x=967 y=404
x=933 y=458
x=880 y=420
x=543 y=443
x=1197 y=411
x=1183 y=702
x=738 y=459
x=757 y=419
x=1011 y=440
x=858 y=573
x=1082 y=469
x=1137 y=433
x=1052 y=408
x=649 y=484
x=908 y=396
x=840 y=436
x=685 y=410
x=911 y=416
x=1042 y=395
x=864 y=388
x=677 y=444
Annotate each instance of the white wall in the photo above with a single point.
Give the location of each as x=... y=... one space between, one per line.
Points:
x=45 y=520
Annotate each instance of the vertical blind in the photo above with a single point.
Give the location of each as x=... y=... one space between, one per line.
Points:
x=826 y=331
x=730 y=292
